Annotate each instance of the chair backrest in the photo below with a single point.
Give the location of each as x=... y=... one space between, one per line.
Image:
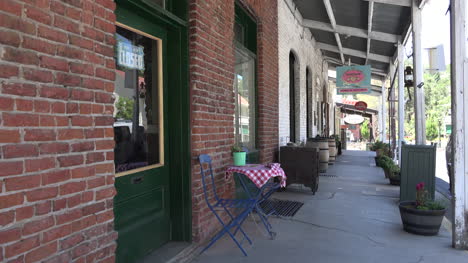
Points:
x=206 y=159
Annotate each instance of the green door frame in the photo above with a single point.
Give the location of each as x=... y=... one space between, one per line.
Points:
x=179 y=104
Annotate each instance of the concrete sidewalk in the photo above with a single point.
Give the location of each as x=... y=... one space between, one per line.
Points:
x=353 y=217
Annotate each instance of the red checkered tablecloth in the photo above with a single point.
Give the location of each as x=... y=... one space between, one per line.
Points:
x=259 y=174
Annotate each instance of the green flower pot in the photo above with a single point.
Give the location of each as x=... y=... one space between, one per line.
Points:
x=239 y=158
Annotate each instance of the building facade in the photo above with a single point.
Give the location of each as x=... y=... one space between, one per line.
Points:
x=303 y=79
x=57 y=179
x=104 y=108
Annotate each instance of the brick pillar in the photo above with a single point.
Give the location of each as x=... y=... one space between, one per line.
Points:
x=212 y=94
x=56 y=135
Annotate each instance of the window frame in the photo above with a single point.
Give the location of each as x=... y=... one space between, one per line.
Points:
x=249 y=45
x=160 y=102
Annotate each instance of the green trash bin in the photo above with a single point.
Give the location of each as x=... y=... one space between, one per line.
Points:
x=418 y=164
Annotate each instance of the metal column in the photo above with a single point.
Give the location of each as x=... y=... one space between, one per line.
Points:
x=459 y=120
x=401 y=98
x=419 y=110
x=384 y=114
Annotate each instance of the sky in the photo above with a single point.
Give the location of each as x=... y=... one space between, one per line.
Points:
x=435 y=27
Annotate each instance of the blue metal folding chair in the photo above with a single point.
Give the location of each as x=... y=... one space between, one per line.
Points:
x=245 y=207
x=260 y=195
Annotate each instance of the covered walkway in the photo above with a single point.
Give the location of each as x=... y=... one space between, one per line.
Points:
x=353 y=217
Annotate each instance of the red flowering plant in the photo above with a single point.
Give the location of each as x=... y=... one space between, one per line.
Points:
x=422 y=200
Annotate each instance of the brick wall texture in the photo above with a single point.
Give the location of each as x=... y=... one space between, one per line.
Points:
x=56 y=136
x=211 y=24
x=294 y=37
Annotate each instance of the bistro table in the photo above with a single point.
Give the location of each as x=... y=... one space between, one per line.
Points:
x=261 y=176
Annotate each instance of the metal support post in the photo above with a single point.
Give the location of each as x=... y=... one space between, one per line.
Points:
x=401 y=98
x=384 y=114
x=392 y=120
x=459 y=64
x=419 y=110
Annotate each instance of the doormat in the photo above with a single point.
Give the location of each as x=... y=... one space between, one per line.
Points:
x=281 y=207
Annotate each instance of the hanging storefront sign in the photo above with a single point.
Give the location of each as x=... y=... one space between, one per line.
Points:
x=347 y=91
x=354 y=119
x=353 y=79
x=130 y=56
x=360 y=105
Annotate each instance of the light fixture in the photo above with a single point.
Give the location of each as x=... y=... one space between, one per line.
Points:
x=409 y=77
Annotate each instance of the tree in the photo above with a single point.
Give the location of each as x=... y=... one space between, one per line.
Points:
x=124 y=108
x=365 y=131
x=437 y=103
x=437 y=96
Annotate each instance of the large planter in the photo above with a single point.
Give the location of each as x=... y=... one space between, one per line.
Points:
x=420 y=222
x=386 y=172
x=394 y=181
x=376 y=161
x=394 y=178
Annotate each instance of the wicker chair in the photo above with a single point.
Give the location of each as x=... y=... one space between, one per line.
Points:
x=301 y=165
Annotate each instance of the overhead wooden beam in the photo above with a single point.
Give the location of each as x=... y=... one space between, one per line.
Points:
x=331 y=16
x=369 y=27
x=393 y=2
x=422 y=3
x=350 y=31
x=354 y=52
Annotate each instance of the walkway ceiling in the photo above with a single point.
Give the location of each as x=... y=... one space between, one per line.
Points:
x=350 y=109
x=363 y=31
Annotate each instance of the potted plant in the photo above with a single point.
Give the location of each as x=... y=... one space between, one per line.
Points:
x=385 y=163
x=380 y=149
x=394 y=174
x=239 y=155
x=423 y=216
x=338 y=143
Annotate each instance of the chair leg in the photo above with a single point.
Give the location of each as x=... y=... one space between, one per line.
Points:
x=239 y=226
x=264 y=220
x=226 y=229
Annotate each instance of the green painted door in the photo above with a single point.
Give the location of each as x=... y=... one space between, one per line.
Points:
x=142 y=205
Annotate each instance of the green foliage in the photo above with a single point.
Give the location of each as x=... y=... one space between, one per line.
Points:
x=124 y=108
x=236 y=148
x=432 y=128
x=365 y=131
x=423 y=202
x=394 y=168
x=437 y=101
x=381 y=148
x=435 y=205
x=379 y=145
x=385 y=162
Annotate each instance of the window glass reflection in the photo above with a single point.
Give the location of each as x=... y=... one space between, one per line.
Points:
x=244 y=87
x=136 y=107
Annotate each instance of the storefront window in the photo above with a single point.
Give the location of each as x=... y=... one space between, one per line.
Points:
x=138 y=130
x=244 y=88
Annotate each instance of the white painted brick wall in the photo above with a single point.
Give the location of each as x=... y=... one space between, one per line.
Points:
x=292 y=36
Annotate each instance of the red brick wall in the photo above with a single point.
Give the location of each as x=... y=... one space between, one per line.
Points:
x=56 y=136
x=211 y=83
